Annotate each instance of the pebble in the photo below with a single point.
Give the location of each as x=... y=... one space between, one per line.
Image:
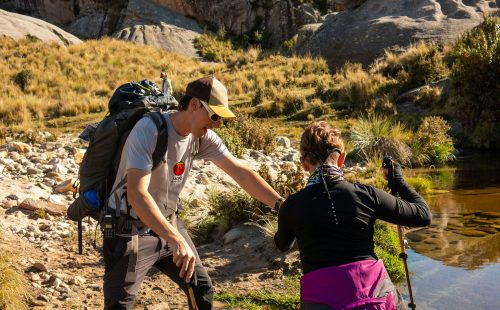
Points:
x=40 y=267
x=43 y=297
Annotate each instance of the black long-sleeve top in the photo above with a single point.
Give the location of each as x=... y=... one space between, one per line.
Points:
x=307 y=216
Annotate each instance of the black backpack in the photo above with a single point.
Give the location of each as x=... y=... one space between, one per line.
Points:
x=97 y=173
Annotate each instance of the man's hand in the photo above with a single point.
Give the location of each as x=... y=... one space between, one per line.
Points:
x=392 y=173
x=184 y=258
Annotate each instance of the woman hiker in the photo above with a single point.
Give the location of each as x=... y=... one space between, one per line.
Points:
x=333 y=222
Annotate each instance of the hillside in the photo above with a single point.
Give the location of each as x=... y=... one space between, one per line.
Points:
x=415 y=105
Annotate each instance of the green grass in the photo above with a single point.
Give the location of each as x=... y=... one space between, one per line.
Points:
x=387 y=249
x=260 y=300
x=421 y=185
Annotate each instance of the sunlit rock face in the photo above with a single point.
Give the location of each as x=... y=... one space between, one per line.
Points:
x=460 y=237
x=276 y=19
x=19 y=26
x=362 y=34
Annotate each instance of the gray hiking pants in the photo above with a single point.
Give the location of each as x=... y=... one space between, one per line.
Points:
x=121 y=284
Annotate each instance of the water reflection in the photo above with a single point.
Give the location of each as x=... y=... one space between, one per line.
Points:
x=468 y=241
x=466 y=227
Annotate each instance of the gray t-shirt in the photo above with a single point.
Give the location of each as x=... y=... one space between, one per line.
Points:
x=168 y=178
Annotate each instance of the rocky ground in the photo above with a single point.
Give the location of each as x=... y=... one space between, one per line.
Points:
x=35 y=183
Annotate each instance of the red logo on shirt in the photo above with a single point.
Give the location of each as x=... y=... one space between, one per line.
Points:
x=179 y=168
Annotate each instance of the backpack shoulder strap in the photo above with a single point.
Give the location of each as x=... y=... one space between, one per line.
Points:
x=162 y=140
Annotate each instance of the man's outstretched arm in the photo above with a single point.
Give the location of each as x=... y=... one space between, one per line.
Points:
x=248 y=179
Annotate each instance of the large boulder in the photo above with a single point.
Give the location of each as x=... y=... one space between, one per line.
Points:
x=362 y=34
x=58 y=12
x=19 y=26
x=149 y=23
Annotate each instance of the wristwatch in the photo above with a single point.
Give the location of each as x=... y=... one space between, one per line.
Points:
x=278 y=203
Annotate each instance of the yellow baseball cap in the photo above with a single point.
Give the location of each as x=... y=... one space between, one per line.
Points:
x=212 y=92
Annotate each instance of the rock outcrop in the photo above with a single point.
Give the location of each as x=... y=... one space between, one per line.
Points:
x=151 y=24
x=154 y=21
x=19 y=26
x=362 y=34
x=275 y=17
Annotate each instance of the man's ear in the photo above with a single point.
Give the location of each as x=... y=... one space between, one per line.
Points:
x=340 y=161
x=192 y=106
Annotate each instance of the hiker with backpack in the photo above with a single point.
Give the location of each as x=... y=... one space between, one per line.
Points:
x=145 y=196
x=333 y=222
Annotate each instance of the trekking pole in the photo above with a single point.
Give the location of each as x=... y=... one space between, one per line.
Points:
x=404 y=257
x=80 y=237
x=191 y=297
x=389 y=164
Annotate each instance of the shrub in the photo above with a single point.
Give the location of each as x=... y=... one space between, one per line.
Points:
x=258 y=97
x=290 y=179
x=287 y=45
x=292 y=103
x=40 y=213
x=359 y=88
x=419 y=65
x=23 y=79
x=234 y=207
x=254 y=134
x=323 y=92
x=428 y=96
x=315 y=109
x=215 y=48
x=202 y=231
x=475 y=74
x=377 y=136
x=269 y=109
x=231 y=139
x=431 y=142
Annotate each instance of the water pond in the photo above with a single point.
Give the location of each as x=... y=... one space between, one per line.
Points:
x=455 y=262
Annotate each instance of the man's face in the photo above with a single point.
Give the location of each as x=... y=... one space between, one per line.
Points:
x=205 y=119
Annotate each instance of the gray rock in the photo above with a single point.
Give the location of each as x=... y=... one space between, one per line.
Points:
x=35 y=277
x=36 y=285
x=55 y=199
x=33 y=171
x=283 y=141
x=203 y=179
x=18 y=26
x=12 y=197
x=60 y=168
x=306 y=14
x=257 y=155
x=292 y=156
x=153 y=24
x=363 y=34
x=43 y=297
x=40 y=267
x=14 y=156
x=232 y=235
x=78 y=280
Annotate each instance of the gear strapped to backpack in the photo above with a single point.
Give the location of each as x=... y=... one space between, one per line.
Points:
x=97 y=173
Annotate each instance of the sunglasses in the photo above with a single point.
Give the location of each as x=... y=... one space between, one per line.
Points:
x=214 y=117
